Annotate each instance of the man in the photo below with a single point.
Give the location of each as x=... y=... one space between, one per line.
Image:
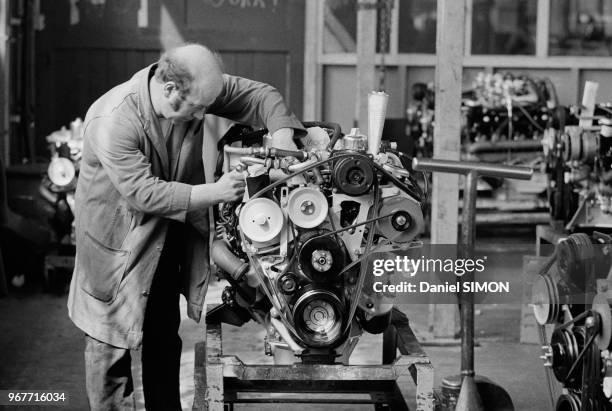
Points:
x=141 y=216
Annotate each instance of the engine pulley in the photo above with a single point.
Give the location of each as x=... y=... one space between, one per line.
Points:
x=601 y=306
x=576 y=260
x=566 y=346
x=307 y=207
x=261 y=220
x=405 y=222
x=569 y=402
x=545 y=299
x=353 y=176
x=319 y=317
x=61 y=171
x=321 y=258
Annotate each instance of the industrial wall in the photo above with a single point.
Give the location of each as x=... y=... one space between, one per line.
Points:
x=86 y=47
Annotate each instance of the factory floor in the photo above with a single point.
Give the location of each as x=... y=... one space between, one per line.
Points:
x=40 y=349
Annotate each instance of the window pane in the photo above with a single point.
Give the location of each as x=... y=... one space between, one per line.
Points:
x=417 y=26
x=340 y=26
x=580 y=28
x=504 y=26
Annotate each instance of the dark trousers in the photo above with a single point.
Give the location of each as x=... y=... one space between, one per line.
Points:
x=108 y=368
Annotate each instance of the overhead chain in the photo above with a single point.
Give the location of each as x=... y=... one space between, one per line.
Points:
x=384 y=34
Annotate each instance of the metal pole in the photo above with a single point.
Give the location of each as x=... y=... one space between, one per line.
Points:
x=467 y=299
x=469 y=397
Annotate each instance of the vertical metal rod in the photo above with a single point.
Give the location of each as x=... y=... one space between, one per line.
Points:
x=467 y=298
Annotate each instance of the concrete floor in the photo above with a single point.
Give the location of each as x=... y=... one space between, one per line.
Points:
x=41 y=349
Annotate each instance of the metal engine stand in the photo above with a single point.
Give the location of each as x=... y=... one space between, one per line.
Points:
x=223 y=380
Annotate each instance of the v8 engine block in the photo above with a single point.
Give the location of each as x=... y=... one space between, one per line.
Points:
x=295 y=250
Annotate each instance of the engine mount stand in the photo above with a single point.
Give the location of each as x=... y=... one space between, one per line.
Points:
x=223 y=380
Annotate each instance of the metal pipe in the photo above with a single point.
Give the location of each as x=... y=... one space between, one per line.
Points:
x=465 y=167
x=300 y=166
x=503 y=146
x=467 y=299
x=243 y=150
x=252 y=160
x=471 y=170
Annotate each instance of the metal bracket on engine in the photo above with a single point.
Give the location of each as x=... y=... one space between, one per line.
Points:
x=352 y=238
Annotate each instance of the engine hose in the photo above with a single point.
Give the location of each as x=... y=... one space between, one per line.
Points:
x=416 y=193
x=225 y=259
x=290 y=176
x=278 y=152
x=336 y=134
x=300 y=166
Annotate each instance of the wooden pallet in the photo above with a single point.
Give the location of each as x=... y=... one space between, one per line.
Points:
x=223 y=380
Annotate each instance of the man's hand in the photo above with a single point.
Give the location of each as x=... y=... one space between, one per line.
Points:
x=283 y=139
x=229 y=187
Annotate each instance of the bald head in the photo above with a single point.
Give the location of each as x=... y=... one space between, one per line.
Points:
x=189 y=76
x=190 y=67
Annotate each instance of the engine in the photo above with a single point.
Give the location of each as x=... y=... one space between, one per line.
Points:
x=579 y=169
x=507 y=107
x=573 y=291
x=295 y=250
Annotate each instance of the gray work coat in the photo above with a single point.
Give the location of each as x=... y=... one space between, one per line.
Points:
x=128 y=193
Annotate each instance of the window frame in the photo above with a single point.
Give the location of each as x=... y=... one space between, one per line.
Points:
x=541 y=58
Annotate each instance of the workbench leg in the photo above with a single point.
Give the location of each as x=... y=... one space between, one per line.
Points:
x=214 y=386
x=214 y=368
x=199 y=377
x=424 y=379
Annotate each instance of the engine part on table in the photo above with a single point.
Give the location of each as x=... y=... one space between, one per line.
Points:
x=574 y=292
x=261 y=220
x=319 y=317
x=303 y=234
x=565 y=346
x=353 y=176
x=576 y=259
x=578 y=163
x=61 y=172
x=602 y=306
x=321 y=258
x=580 y=145
x=307 y=207
x=545 y=298
x=405 y=221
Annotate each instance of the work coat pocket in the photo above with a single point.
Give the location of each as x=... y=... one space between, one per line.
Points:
x=104 y=268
